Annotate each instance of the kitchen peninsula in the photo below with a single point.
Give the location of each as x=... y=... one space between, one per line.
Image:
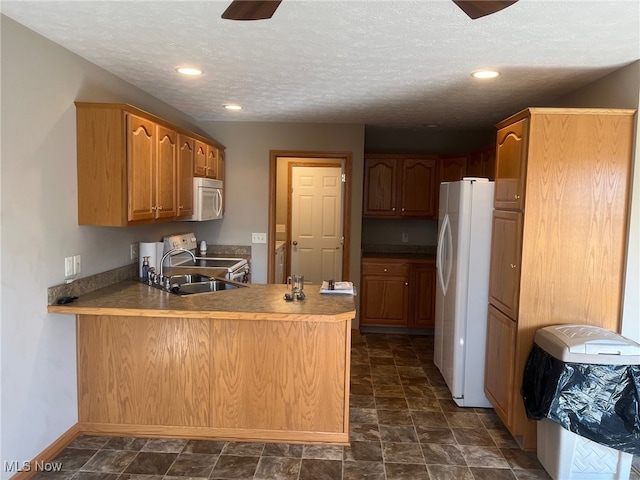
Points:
x=241 y=364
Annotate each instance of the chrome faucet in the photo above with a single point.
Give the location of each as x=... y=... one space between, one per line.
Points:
x=169 y=252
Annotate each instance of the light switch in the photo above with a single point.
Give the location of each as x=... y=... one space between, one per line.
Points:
x=68 y=266
x=77 y=264
x=258 y=238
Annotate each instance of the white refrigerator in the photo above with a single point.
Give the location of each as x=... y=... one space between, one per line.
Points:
x=462 y=287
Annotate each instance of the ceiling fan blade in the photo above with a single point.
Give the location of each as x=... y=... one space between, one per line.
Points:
x=251 y=9
x=480 y=8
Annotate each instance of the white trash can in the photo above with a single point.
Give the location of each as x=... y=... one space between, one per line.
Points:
x=563 y=454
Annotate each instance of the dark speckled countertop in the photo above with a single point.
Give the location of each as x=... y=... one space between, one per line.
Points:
x=254 y=302
x=415 y=253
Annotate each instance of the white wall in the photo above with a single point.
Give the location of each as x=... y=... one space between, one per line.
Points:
x=247 y=180
x=621 y=89
x=40 y=81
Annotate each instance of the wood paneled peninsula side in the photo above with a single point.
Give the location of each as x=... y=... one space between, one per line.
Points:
x=240 y=364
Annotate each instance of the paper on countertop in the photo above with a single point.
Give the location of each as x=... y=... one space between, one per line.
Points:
x=344 y=288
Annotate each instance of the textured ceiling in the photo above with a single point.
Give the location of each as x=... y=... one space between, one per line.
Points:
x=376 y=62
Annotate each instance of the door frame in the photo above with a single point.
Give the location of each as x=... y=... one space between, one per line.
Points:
x=314 y=157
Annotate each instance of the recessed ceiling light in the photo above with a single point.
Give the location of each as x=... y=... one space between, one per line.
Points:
x=432 y=125
x=233 y=107
x=189 y=71
x=485 y=74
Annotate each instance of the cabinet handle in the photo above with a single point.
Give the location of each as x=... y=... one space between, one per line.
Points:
x=160 y=207
x=403 y=209
x=513 y=265
x=154 y=208
x=516 y=197
x=406 y=284
x=385 y=270
x=393 y=209
x=181 y=207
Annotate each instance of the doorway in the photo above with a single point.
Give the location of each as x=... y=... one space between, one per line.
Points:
x=315 y=168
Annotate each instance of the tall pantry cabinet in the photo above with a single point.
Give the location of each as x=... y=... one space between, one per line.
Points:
x=559 y=237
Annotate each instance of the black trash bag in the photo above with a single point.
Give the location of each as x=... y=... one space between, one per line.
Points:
x=598 y=402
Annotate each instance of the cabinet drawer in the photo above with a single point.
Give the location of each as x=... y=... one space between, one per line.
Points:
x=385 y=269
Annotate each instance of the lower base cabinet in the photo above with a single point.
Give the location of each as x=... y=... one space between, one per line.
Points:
x=397 y=293
x=283 y=379
x=499 y=369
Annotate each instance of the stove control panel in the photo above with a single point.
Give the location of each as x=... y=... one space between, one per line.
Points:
x=180 y=240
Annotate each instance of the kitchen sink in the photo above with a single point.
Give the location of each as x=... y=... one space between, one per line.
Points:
x=194 y=283
x=189 y=278
x=215 y=285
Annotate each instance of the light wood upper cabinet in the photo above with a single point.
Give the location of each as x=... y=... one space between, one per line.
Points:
x=559 y=237
x=399 y=186
x=151 y=151
x=511 y=165
x=220 y=173
x=186 y=150
x=166 y=173
x=206 y=161
x=132 y=167
x=141 y=151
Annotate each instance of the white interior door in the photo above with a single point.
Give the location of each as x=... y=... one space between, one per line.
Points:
x=316 y=223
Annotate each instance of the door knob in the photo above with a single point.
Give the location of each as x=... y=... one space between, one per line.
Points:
x=294 y=243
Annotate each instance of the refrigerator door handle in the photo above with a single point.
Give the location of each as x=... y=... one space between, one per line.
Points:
x=444 y=256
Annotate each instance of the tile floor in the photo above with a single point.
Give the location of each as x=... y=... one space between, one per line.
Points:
x=404 y=426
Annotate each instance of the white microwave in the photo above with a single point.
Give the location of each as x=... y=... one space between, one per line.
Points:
x=207 y=199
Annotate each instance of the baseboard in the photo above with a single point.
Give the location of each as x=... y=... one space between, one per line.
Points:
x=41 y=461
x=215 y=433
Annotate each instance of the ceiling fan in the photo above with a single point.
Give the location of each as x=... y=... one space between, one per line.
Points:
x=264 y=9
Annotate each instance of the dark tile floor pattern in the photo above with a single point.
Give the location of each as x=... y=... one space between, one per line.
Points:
x=404 y=426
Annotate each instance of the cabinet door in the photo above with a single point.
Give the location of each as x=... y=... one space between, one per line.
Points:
x=482 y=163
x=452 y=169
x=499 y=365
x=385 y=300
x=506 y=250
x=220 y=168
x=489 y=163
x=424 y=290
x=220 y=174
x=186 y=149
x=511 y=166
x=200 y=159
x=166 y=172
x=417 y=188
x=380 y=179
x=212 y=162
x=141 y=150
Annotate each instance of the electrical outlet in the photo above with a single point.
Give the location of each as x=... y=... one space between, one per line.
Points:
x=405 y=236
x=258 y=238
x=133 y=251
x=77 y=264
x=68 y=266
